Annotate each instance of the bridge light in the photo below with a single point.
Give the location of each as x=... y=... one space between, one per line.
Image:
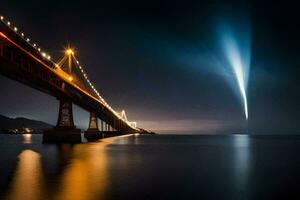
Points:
x=15 y=29
x=1 y=17
x=69 y=52
x=8 y=23
x=70 y=78
x=49 y=57
x=28 y=40
x=34 y=45
x=39 y=49
x=22 y=34
x=44 y=54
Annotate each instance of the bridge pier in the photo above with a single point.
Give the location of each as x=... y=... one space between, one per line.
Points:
x=101 y=128
x=103 y=125
x=65 y=130
x=93 y=133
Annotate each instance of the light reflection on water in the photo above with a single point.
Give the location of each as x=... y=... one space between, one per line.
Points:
x=86 y=175
x=83 y=174
x=150 y=167
x=241 y=162
x=27 y=138
x=27 y=182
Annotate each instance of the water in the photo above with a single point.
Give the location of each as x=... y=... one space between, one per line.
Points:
x=151 y=167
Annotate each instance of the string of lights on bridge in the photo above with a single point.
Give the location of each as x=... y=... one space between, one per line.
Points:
x=121 y=115
x=47 y=56
x=27 y=39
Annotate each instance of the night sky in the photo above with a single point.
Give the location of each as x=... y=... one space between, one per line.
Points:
x=162 y=62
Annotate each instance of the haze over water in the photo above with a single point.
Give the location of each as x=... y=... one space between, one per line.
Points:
x=151 y=167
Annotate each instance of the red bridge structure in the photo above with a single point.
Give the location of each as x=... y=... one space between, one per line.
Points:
x=24 y=61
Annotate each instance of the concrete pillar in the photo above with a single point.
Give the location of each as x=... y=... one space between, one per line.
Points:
x=119 y=125
x=65 y=130
x=65 y=114
x=93 y=124
x=93 y=133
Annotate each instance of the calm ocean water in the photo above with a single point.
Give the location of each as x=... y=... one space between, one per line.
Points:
x=151 y=167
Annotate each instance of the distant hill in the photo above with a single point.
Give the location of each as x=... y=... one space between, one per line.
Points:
x=20 y=122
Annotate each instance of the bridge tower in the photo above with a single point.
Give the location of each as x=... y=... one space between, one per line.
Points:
x=65 y=116
x=65 y=130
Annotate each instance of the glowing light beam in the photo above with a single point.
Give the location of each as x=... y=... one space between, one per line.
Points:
x=237 y=52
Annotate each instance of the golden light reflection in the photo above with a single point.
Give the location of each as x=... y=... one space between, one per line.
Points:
x=27 y=138
x=28 y=180
x=86 y=176
x=82 y=173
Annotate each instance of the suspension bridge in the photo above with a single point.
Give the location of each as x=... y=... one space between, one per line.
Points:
x=25 y=61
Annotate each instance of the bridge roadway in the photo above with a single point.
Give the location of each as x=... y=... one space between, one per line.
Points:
x=21 y=62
